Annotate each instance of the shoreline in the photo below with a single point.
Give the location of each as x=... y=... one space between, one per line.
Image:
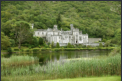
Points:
x=27 y=50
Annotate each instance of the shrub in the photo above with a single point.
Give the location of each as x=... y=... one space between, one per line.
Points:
x=39 y=46
x=115 y=51
x=27 y=50
x=35 y=41
x=5 y=43
x=52 y=44
x=41 y=41
x=100 y=45
x=45 y=45
x=83 y=46
x=35 y=50
x=16 y=49
x=29 y=47
x=22 y=50
x=12 y=42
x=69 y=45
x=32 y=46
x=57 y=45
x=88 y=46
x=9 y=50
x=80 y=46
x=107 y=43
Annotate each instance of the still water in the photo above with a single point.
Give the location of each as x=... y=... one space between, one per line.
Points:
x=51 y=56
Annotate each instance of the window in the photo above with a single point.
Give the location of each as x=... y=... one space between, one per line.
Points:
x=76 y=35
x=80 y=38
x=69 y=36
x=66 y=36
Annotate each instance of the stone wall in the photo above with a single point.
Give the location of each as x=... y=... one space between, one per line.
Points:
x=93 y=40
x=63 y=44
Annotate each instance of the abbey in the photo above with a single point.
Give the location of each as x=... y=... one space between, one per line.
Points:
x=73 y=36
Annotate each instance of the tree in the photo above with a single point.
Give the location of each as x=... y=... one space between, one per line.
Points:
x=107 y=44
x=5 y=43
x=22 y=31
x=40 y=41
x=12 y=42
x=59 y=21
x=35 y=41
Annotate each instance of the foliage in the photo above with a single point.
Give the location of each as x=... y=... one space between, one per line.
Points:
x=63 y=69
x=9 y=50
x=39 y=46
x=5 y=43
x=107 y=43
x=52 y=44
x=57 y=45
x=35 y=41
x=100 y=45
x=45 y=45
x=115 y=51
x=40 y=41
x=35 y=50
x=69 y=45
x=22 y=31
x=102 y=20
x=12 y=42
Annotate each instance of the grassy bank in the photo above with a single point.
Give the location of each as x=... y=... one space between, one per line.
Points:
x=39 y=78
x=106 y=78
x=37 y=49
x=31 y=50
x=65 y=69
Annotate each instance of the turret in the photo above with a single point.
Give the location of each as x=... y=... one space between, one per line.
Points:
x=55 y=27
x=71 y=26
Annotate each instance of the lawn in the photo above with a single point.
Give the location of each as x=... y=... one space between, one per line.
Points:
x=107 y=78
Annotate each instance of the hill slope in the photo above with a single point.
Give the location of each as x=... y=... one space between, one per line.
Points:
x=97 y=18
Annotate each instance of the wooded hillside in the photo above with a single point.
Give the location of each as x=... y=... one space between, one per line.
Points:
x=97 y=18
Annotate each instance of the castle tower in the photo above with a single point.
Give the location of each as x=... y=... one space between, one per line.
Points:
x=71 y=26
x=55 y=27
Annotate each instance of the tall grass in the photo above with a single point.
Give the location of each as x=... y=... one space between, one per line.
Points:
x=17 y=59
x=16 y=64
x=68 y=69
x=82 y=68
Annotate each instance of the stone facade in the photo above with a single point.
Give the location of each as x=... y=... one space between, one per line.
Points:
x=73 y=36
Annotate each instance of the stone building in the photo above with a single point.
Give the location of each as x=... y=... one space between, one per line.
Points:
x=73 y=36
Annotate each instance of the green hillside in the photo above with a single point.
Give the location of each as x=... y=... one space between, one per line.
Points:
x=97 y=18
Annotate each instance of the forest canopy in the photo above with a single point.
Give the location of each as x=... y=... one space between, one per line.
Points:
x=97 y=18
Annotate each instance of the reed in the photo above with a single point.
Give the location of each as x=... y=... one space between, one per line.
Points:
x=68 y=69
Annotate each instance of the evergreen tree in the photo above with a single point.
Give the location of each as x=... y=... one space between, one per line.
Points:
x=59 y=21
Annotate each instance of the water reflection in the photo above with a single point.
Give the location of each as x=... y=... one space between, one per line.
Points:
x=45 y=56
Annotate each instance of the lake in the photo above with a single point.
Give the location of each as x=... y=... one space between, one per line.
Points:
x=51 y=56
